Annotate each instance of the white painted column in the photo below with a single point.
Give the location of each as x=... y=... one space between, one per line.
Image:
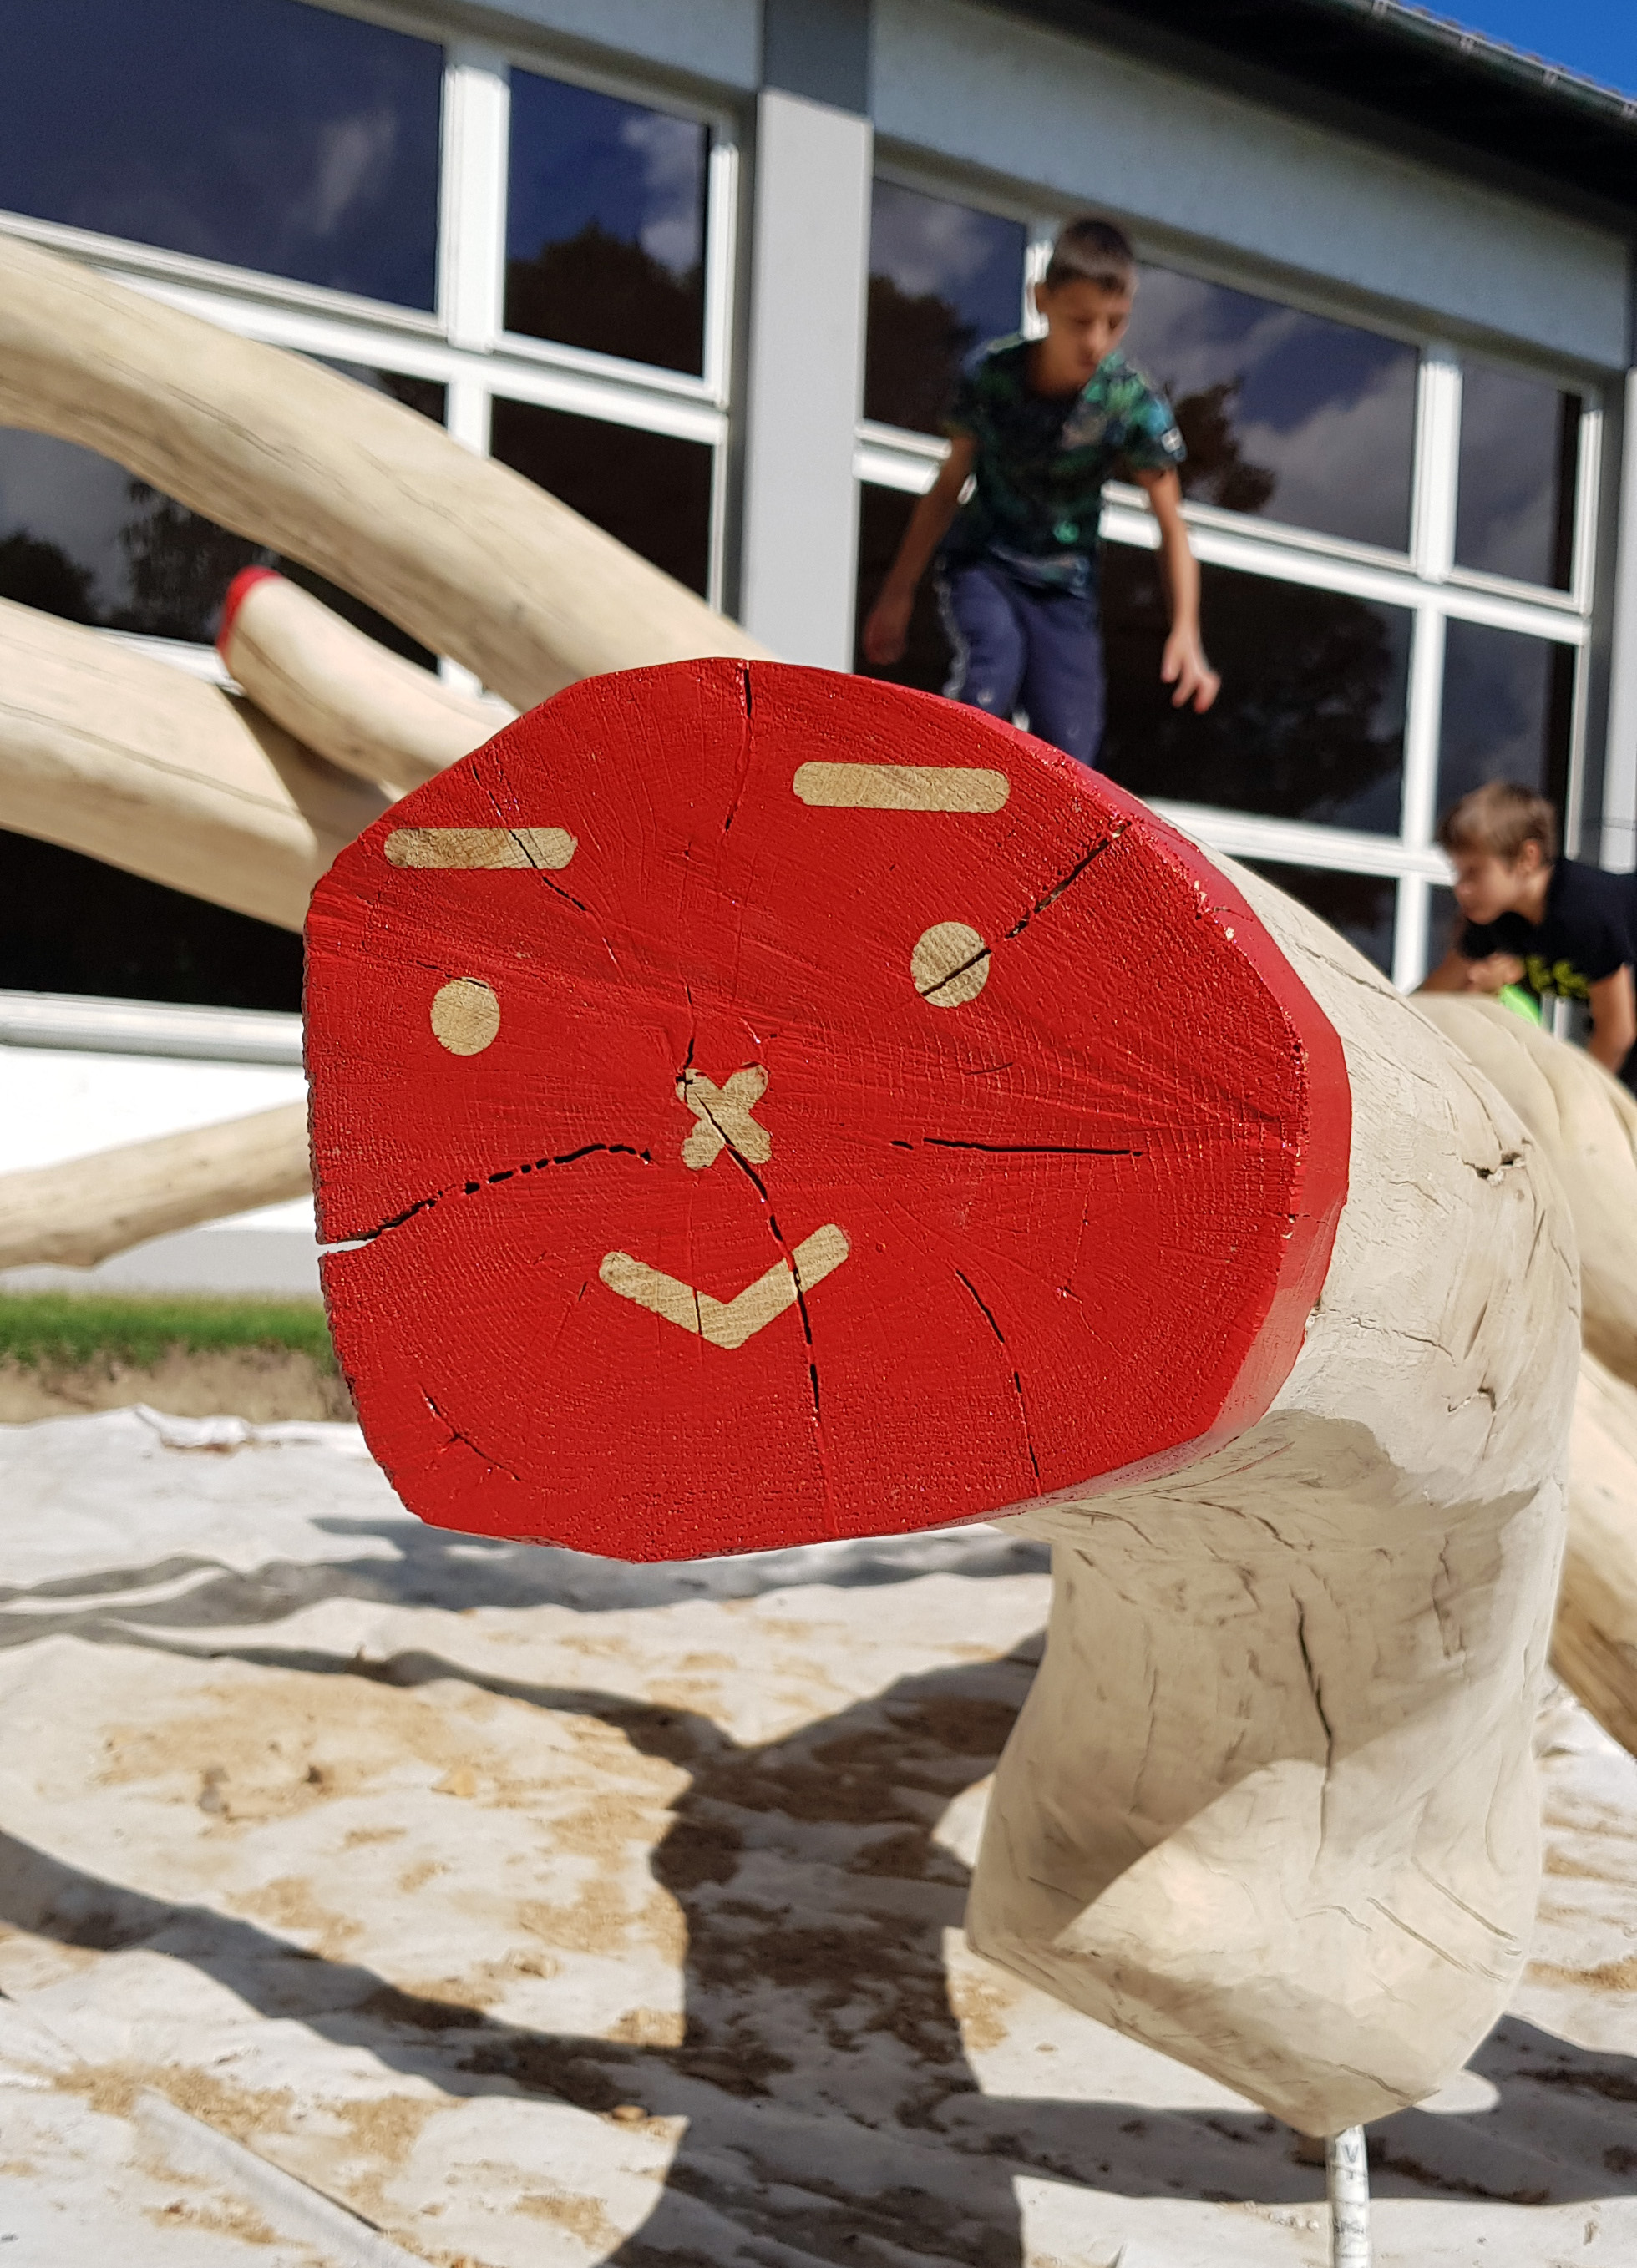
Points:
x=1618 y=846
x=805 y=381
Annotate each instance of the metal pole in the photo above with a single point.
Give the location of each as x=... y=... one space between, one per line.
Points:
x=1347 y=2177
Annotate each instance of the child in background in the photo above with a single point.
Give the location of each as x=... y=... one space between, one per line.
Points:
x=1037 y=427
x=1533 y=919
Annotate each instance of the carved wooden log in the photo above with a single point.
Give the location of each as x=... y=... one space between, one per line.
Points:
x=469 y=558
x=339 y=692
x=82 y=1211
x=130 y=760
x=1586 y=1122
x=773 y=1106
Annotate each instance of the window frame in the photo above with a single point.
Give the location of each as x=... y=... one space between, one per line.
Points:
x=1422 y=580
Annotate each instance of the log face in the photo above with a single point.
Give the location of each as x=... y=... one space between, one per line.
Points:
x=801 y=1108
x=1271 y=1804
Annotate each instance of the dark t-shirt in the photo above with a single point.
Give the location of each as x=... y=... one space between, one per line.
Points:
x=1041 y=460
x=1586 y=933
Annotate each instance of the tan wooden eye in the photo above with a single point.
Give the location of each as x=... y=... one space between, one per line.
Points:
x=950 y=964
x=466 y=1015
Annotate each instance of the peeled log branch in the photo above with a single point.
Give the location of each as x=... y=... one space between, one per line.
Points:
x=1587 y=1124
x=85 y=1211
x=469 y=558
x=339 y=693
x=129 y=760
x=1594 y=1641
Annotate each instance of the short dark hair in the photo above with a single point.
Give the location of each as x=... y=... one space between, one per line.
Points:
x=1499 y=819
x=1092 y=251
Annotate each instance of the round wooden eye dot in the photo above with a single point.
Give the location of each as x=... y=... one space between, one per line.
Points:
x=950 y=964
x=466 y=1015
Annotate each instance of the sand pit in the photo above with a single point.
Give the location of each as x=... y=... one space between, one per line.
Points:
x=371 y=1894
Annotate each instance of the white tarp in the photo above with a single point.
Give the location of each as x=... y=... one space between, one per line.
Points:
x=372 y=1893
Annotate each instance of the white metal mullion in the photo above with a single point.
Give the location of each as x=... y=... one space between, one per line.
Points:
x=1588 y=478
x=721 y=224
x=1411 y=926
x=1036 y=253
x=1431 y=551
x=1423 y=724
x=477 y=125
x=1437 y=463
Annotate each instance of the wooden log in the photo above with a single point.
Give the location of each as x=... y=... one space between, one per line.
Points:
x=1587 y=1124
x=773 y=1106
x=1594 y=1639
x=469 y=558
x=340 y=693
x=74 y=1214
x=108 y=752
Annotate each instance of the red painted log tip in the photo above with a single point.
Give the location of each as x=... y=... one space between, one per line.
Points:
x=237 y=591
x=765 y=1105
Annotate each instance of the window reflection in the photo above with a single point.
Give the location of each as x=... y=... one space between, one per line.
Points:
x=1507 y=711
x=1309 y=722
x=649 y=490
x=944 y=279
x=1520 y=446
x=69 y=924
x=268 y=134
x=1309 y=420
x=82 y=538
x=605 y=225
x=1363 y=907
x=883 y=515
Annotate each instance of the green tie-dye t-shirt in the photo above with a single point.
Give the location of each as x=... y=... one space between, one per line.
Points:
x=1041 y=460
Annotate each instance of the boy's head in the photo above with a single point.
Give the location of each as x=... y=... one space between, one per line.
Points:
x=1500 y=840
x=1085 y=297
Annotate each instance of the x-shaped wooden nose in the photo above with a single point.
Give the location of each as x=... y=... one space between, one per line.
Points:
x=723 y=1116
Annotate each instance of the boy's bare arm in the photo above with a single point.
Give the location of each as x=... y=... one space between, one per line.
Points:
x=1455 y=973
x=886 y=632
x=1183 y=664
x=1613 y=1019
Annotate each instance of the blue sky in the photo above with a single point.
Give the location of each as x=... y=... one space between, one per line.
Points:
x=1597 y=37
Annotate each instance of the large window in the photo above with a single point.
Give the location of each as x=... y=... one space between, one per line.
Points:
x=1392 y=542
x=541 y=263
x=268 y=135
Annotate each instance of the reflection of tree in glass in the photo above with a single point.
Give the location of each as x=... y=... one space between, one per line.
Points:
x=883 y=515
x=1217 y=471
x=1309 y=723
x=69 y=924
x=179 y=565
x=36 y=573
x=604 y=294
x=915 y=347
x=651 y=491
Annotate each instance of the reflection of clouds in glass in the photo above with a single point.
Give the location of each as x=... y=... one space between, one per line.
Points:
x=351 y=156
x=1326 y=409
x=69 y=496
x=1343 y=449
x=926 y=245
x=671 y=151
x=1506 y=513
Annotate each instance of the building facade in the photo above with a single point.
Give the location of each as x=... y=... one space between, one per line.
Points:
x=705 y=268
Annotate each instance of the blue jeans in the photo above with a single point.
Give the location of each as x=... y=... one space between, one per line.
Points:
x=1022 y=645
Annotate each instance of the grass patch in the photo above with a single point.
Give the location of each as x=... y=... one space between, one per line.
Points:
x=69 y=1328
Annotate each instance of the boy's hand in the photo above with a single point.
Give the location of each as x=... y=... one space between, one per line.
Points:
x=887 y=629
x=1183 y=665
x=1494 y=973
